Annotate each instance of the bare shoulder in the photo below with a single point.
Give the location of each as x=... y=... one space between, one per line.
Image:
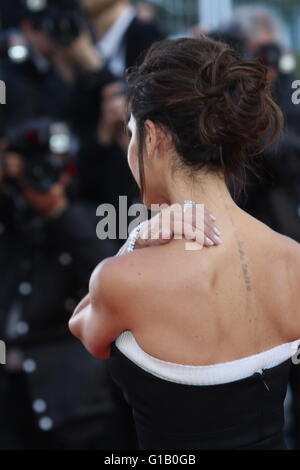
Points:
x=289 y=251
x=279 y=246
x=280 y=256
x=118 y=281
x=284 y=250
x=126 y=268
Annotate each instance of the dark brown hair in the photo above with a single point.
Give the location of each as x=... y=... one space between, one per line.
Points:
x=216 y=104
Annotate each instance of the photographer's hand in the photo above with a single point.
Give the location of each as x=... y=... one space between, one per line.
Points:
x=84 y=53
x=12 y=165
x=113 y=105
x=47 y=204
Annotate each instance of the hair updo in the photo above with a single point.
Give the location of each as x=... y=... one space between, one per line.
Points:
x=216 y=104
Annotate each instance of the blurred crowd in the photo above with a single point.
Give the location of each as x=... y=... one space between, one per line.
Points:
x=62 y=153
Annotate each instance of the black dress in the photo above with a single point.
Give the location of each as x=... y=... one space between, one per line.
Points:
x=243 y=414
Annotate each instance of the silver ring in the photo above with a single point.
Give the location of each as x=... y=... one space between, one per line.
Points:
x=188 y=204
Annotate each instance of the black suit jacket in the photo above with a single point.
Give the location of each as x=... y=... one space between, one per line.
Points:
x=138 y=38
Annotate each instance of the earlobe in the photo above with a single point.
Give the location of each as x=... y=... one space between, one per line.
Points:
x=152 y=138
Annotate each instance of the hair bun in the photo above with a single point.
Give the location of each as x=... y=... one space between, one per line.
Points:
x=216 y=104
x=238 y=106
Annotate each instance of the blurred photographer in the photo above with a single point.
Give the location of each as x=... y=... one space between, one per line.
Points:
x=53 y=395
x=62 y=73
x=121 y=37
x=64 y=76
x=122 y=34
x=102 y=156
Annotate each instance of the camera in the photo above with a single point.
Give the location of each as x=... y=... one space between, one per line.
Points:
x=47 y=147
x=270 y=55
x=62 y=20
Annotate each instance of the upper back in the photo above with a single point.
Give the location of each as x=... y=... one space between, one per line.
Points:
x=216 y=304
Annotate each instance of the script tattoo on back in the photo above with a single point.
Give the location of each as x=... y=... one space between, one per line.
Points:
x=241 y=249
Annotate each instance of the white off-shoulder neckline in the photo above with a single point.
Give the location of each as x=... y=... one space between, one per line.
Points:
x=214 y=374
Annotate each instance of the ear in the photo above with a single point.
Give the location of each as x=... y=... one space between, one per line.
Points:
x=151 y=137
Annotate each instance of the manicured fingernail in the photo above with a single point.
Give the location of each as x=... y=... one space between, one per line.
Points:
x=218 y=239
x=212 y=217
x=217 y=231
x=209 y=241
